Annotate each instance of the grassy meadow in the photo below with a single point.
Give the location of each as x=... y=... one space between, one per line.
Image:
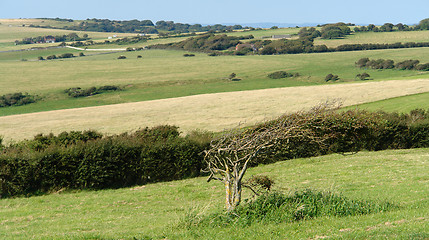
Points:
x=167 y=74
x=158 y=211
x=376 y=37
x=164 y=87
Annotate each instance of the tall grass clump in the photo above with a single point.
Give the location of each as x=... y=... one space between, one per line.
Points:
x=276 y=207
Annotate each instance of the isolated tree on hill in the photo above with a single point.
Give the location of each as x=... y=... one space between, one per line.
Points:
x=230 y=155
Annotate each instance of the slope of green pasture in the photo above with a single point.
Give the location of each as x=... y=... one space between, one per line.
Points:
x=166 y=74
x=399 y=104
x=376 y=37
x=258 y=34
x=156 y=210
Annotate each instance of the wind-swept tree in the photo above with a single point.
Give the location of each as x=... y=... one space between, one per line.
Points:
x=230 y=155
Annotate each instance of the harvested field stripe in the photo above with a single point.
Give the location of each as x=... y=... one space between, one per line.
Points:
x=207 y=111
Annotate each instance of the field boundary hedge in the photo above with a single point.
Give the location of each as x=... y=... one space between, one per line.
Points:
x=88 y=160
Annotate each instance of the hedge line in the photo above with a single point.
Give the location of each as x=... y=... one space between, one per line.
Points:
x=109 y=162
x=88 y=160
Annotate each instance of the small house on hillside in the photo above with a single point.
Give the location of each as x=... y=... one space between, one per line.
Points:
x=49 y=39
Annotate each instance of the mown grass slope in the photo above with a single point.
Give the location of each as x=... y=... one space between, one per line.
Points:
x=158 y=210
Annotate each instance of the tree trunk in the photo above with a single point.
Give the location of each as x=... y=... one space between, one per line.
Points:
x=232 y=193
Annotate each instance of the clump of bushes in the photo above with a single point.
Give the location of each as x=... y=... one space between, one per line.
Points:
x=122 y=57
x=50 y=57
x=276 y=207
x=16 y=99
x=79 y=92
x=390 y=64
x=66 y=55
x=189 y=55
x=282 y=74
x=363 y=76
x=86 y=160
x=331 y=77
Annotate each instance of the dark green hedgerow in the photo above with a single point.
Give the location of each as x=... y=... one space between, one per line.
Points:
x=88 y=160
x=79 y=92
x=150 y=155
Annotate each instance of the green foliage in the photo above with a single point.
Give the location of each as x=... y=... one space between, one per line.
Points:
x=66 y=55
x=331 y=77
x=189 y=55
x=16 y=99
x=150 y=155
x=407 y=64
x=79 y=92
x=337 y=30
x=363 y=76
x=389 y=64
x=423 y=24
x=279 y=208
x=206 y=43
x=50 y=57
x=281 y=74
x=59 y=38
x=41 y=142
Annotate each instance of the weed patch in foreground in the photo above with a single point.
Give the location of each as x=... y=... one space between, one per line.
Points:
x=278 y=207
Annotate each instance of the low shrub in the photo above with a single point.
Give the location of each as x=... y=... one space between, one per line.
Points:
x=79 y=92
x=122 y=57
x=16 y=99
x=280 y=74
x=277 y=207
x=331 y=77
x=189 y=55
x=66 y=55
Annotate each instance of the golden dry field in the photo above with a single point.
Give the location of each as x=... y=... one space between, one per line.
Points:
x=213 y=112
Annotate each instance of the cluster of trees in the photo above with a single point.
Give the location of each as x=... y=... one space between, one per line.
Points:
x=390 y=64
x=205 y=43
x=64 y=55
x=336 y=30
x=144 y=26
x=59 y=19
x=389 y=27
x=58 y=38
x=215 y=43
x=16 y=99
x=79 y=92
x=282 y=74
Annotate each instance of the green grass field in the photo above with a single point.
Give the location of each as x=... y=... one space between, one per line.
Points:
x=167 y=74
x=156 y=210
x=376 y=37
x=399 y=104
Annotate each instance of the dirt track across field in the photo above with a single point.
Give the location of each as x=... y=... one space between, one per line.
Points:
x=208 y=111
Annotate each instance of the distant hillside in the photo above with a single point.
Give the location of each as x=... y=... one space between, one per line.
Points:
x=136 y=26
